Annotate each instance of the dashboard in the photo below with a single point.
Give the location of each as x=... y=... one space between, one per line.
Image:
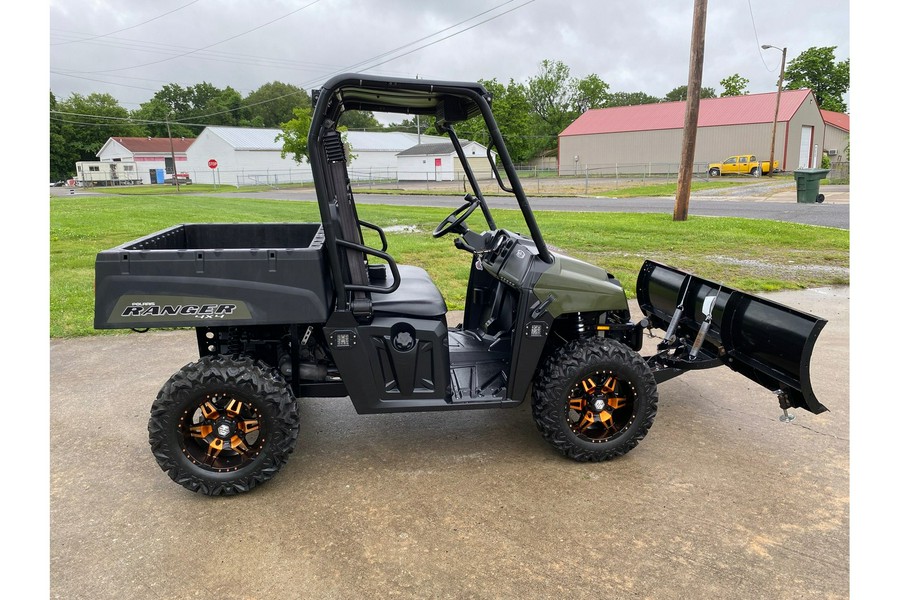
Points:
x=508 y=257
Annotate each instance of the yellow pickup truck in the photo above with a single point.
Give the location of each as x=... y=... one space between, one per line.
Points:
x=742 y=164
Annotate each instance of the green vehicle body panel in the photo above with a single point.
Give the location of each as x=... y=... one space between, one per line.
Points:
x=578 y=287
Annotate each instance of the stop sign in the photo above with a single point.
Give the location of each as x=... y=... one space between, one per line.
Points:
x=213 y=163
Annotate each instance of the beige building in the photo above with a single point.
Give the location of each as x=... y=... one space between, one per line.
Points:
x=837 y=136
x=647 y=138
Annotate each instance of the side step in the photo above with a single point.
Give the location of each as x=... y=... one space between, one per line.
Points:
x=765 y=341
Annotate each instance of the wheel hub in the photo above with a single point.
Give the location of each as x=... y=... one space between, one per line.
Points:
x=224 y=429
x=600 y=406
x=221 y=433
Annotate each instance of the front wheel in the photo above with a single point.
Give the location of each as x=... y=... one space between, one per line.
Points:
x=714 y=173
x=223 y=425
x=594 y=399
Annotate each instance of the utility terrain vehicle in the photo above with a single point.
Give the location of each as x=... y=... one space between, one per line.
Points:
x=285 y=311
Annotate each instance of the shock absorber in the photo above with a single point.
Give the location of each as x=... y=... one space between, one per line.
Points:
x=580 y=325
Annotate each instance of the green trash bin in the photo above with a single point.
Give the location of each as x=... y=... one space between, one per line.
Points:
x=808 y=185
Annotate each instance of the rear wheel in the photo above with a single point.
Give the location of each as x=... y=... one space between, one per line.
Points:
x=755 y=171
x=223 y=425
x=594 y=399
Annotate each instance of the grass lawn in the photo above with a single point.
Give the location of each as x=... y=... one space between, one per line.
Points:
x=753 y=255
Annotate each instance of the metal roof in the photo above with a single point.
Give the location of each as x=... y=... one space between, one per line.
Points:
x=139 y=145
x=436 y=148
x=714 y=112
x=248 y=138
x=387 y=141
x=836 y=119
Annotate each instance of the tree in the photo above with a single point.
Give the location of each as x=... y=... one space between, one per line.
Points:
x=590 y=92
x=557 y=99
x=62 y=154
x=630 y=99
x=734 y=85
x=272 y=104
x=679 y=94
x=191 y=108
x=816 y=69
x=359 y=119
x=294 y=134
x=80 y=125
x=514 y=118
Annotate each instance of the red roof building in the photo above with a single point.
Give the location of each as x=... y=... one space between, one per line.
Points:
x=148 y=154
x=647 y=138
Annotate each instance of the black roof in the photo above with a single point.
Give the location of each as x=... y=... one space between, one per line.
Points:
x=354 y=91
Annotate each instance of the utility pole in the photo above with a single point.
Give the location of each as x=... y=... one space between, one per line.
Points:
x=172 y=149
x=418 y=127
x=691 y=112
x=777 y=106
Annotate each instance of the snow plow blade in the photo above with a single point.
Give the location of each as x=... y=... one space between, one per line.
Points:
x=708 y=324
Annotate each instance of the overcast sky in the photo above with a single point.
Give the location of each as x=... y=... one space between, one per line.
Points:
x=130 y=49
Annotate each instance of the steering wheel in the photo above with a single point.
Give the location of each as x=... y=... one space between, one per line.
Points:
x=456 y=218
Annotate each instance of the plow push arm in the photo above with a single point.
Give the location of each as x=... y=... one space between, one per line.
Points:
x=708 y=324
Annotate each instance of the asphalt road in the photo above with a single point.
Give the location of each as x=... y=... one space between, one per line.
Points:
x=721 y=500
x=828 y=214
x=834 y=212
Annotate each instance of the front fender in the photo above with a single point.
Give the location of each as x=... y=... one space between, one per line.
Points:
x=577 y=286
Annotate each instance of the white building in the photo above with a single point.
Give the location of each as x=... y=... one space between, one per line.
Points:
x=243 y=156
x=437 y=161
x=251 y=156
x=150 y=155
x=375 y=152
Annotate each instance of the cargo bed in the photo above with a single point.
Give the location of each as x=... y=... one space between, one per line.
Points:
x=193 y=275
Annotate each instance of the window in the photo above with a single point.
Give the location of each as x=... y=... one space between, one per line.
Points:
x=730 y=161
x=94 y=169
x=743 y=159
x=129 y=167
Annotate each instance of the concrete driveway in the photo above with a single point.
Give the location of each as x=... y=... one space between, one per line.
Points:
x=721 y=500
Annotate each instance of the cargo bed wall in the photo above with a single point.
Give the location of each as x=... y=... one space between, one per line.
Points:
x=215 y=274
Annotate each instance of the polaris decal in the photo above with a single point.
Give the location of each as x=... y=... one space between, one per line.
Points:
x=174 y=311
x=203 y=311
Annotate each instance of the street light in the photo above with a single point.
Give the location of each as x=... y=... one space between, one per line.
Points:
x=777 y=105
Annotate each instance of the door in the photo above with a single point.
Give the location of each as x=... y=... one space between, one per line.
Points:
x=806 y=134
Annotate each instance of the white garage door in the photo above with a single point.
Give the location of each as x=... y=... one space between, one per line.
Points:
x=806 y=132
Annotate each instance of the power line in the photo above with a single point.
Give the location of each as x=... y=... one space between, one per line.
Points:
x=175 y=51
x=228 y=39
x=127 y=28
x=758 y=47
x=314 y=81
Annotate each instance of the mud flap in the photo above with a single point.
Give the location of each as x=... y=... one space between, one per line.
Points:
x=765 y=341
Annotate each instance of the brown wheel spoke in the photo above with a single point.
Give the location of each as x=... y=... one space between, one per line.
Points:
x=609 y=386
x=201 y=431
x=616 y=402
x=576 y=404
x=586 y=420
x=215 y=447
x=210 y=412
x=234 y=408
x=248 y=425
x=238 y=445
x=588 y=385
x=606 y=418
